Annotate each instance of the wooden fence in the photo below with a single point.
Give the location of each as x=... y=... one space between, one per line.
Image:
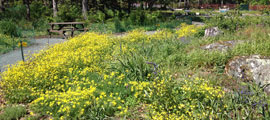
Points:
x=259 y=7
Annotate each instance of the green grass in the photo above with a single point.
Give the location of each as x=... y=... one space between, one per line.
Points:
x=109 y=27
x=12 y=112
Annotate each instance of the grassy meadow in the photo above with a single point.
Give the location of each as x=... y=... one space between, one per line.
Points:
x=161 y=76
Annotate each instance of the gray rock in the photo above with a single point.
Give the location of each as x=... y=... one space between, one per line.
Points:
x=251 y=68
x=211 y=32
x=198 y=23
x=221 y=46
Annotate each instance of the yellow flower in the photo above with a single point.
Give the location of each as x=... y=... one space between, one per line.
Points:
x=31 y=113
x=24 y=44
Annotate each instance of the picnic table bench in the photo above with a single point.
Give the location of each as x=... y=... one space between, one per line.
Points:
x=63 y=27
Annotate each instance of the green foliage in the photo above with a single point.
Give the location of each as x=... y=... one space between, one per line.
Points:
x=7 y=43
x=96 y=16
x=14 y=13
x=39 y=11
x=13 y=112
x=138 y=17
x=68 y=13
x=234 y=21
x=9 y=28
x=118 y=26
x=137 y=65
x=259 y=2
x=40 y=24
x=247 y=102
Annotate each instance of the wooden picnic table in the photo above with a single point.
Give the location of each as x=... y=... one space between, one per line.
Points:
x=63 y=27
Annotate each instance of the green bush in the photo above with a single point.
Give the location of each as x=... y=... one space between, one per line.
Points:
x=9 y=28
x=96 y=16
x=39 y=11
x=68 y=13
x=14 y=13
x=234 y=22
x=138 y=17
x=118 y=25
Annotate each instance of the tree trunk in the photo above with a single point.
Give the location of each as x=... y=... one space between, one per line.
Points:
x=185 y=4
x=27 y=4
x=221 y=2
x=55 y=10
x=142 y=5
x=188 y=4
x=151 y=4
x=84 y=8
x=1 y=5
x=199 y=3
x=129 y=7
x=179 y=3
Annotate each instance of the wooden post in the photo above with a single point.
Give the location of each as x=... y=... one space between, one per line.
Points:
x=13 y=43
x=22 y=49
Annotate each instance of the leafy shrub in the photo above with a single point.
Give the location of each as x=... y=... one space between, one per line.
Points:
x=40 y=24
x=127 y=23
x=68 y=13
x=7 y=43
x=97 y=16
x=235 y=22
x=154 y=18
x=39 y=11
x=118 y=26
x=15 y=13
x=138 y=17
x=9 y=28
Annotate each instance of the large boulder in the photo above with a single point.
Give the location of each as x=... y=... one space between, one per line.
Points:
x=211 y=32
x=221 y=46
x=251 y=68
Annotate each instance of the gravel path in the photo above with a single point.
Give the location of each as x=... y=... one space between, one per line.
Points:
x=15 y=56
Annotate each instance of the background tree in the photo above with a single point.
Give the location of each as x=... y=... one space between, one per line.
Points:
x=55 y=9
x=27 y=4
x=84 y=8
x=2 y=5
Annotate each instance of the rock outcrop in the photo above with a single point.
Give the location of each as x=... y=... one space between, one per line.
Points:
x=255 y=68
x=221 y=46
x=211 y=32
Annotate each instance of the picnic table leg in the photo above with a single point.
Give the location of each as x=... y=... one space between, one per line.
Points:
x=65 y=37
x=72 y=32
